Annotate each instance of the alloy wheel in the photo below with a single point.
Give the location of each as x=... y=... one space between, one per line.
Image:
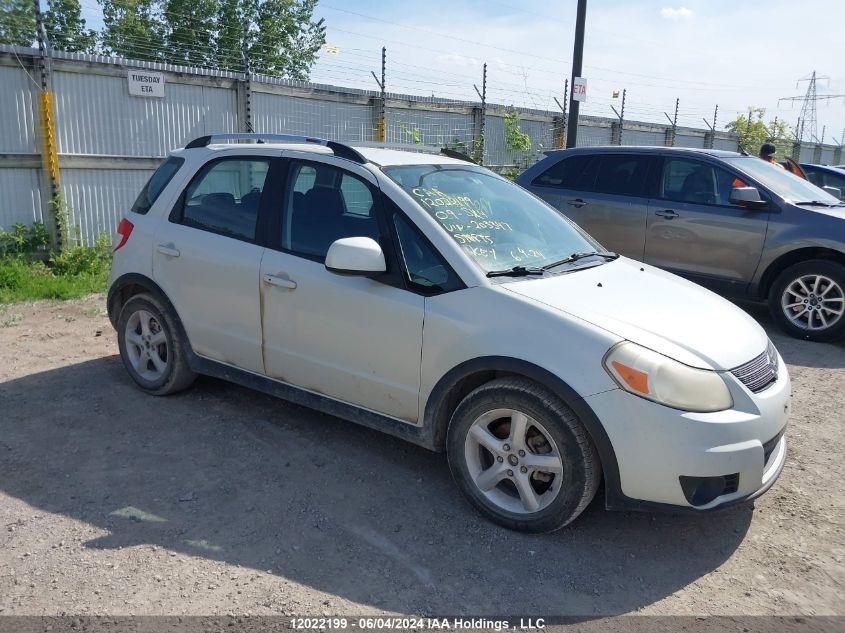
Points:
x=513 y=461
x=146 y=345
x=813 y=302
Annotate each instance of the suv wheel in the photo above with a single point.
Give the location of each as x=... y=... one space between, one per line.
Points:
x=521 y=456
x=808 y=300
x=150 y=347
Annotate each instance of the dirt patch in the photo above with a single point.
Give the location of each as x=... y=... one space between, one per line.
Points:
x=222 y=500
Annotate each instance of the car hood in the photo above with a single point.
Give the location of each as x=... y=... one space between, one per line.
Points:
x=655 y=309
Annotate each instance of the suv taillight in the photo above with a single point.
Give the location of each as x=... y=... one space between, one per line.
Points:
x=124 y=230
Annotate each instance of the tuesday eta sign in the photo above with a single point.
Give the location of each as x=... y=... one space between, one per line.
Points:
x=145 y=84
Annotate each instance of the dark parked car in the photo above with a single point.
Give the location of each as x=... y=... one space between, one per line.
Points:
x=824 y=176
x=737 y=224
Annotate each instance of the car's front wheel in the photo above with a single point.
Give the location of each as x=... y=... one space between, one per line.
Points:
x=521 y=456
x=150 y=347
x=808 y=300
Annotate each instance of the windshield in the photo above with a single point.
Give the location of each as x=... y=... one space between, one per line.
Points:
x=497 y=223
x=785 y=184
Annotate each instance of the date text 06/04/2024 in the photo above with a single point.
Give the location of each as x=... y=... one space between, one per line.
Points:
x=418 y=623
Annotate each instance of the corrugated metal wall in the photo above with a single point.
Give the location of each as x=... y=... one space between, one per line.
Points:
x=96 y=115
x=99 y=198
x=20 y=198
x=18 y=112
x=283 y=114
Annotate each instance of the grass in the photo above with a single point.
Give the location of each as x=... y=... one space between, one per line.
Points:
x=75 y=272
x=21 y=280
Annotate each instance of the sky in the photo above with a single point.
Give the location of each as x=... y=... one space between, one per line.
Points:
x=733 y=54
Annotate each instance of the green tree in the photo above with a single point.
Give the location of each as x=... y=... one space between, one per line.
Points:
x=286 y=39
x=17 y=22
x=65 y=27
x=233 y=18
x=753 y=131
x=191 y=31
x=133 y=29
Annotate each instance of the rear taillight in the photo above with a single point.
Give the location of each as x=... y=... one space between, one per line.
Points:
x=124 y=230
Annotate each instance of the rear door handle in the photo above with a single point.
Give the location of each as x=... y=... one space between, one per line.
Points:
x=281 y=282
x=168 y=250
x=668 y=214
x=577 y=203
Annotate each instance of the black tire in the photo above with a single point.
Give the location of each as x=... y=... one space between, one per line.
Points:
x=176 y=375
x=581 y=465
x=815 y=267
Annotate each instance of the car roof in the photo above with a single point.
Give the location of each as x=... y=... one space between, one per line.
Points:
x=645 y=149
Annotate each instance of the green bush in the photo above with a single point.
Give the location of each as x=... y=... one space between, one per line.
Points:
x=22 y=239
x=75 y=272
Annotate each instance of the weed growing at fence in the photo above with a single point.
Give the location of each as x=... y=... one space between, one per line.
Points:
x=29 y=271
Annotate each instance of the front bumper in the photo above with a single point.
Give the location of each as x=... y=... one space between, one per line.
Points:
x=655 y=446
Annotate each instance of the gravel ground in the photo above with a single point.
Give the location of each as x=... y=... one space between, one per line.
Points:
x=221 y=500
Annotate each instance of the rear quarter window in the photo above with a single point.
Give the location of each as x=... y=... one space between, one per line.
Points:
x=156 y=184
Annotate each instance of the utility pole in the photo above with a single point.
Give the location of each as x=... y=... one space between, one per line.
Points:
x=616 y=128
x=674 y=122
x=577 y=62
x=381 y=127
x=807 y=118
x=482 y=118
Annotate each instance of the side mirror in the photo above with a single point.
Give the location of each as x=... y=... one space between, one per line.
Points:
x=360 y=256
x=836 y=192
x=747 y=197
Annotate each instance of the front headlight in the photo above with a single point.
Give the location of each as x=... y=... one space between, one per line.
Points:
x=653 y=376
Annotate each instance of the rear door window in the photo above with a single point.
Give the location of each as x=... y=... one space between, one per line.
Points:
x=156 y=184
x=622 y=174
x=225 y=196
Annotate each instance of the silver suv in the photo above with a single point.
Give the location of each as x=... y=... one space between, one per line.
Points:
x=427 y=297
x=734 y=223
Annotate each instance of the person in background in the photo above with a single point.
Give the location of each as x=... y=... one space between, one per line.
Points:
x=767 y=153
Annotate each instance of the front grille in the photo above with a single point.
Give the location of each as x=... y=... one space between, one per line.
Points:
x=769 y=447
x=760 y=373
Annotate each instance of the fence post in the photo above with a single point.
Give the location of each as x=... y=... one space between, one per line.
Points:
x=559 y=122
x=244 y=94
x=51 y=195
x=817 y=153
x=380 y=103
x=669 y=136
x=480 y=116
x=616 y=126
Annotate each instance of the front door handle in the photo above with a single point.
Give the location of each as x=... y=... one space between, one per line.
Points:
x=577 y=203
x=668 y=214
x=164 y=249
x=281 y=282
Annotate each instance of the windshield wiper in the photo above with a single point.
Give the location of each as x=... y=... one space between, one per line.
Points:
x=819 y=203
x=516 y=271
x=576 y=256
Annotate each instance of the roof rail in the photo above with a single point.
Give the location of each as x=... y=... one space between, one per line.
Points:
x=451 y=153
x=340 y=150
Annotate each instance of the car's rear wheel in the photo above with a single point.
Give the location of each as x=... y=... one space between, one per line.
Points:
x=150 y=347
x=521 y=456
x=808 y=300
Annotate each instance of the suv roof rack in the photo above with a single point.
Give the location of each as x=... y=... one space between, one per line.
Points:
x=340 y=150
